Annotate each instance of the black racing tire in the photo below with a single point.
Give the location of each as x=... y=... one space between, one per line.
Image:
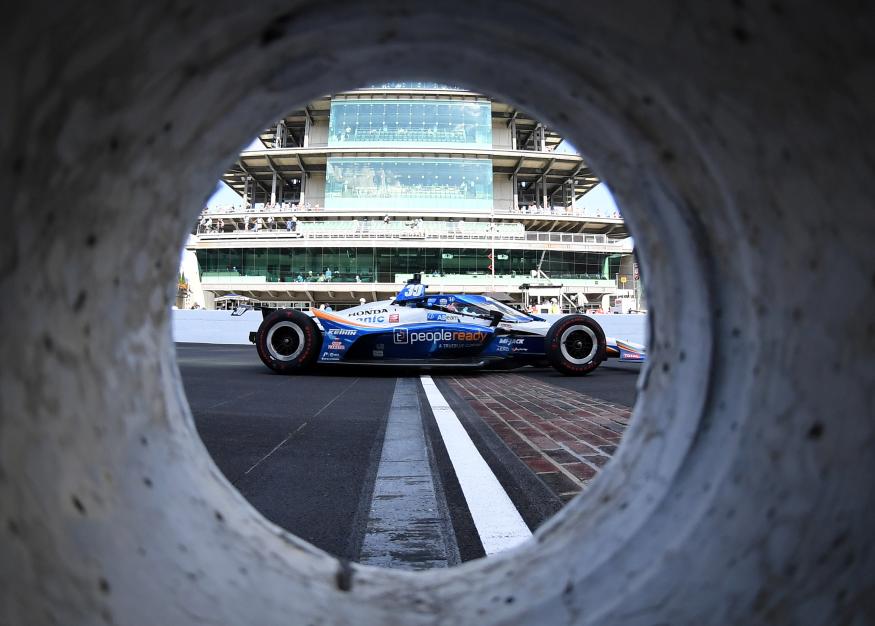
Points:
x=288 y=341
x=575 y=345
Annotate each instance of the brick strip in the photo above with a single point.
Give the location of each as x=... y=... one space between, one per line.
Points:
x=565 y=437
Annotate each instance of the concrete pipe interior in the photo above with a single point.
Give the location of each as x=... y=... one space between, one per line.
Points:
x=740 y=495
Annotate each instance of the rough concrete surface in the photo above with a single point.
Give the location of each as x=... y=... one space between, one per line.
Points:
x=738 y=140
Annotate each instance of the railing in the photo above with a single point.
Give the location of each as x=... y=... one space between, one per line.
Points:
x=361 y=229
x=409 y=230
x=348 y=279
x=286 y=209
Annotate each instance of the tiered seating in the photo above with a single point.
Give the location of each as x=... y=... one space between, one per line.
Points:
x=394 y=229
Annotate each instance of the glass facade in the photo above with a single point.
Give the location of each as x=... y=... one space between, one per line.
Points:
x=354 y=264
x=408 y=183
x=426 y=123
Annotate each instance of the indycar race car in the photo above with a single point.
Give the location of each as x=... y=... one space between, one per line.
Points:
x=430 y=331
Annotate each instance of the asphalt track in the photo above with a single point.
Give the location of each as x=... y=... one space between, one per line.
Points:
x=304 y=450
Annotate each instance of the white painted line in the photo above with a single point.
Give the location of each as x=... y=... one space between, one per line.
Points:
x=497 y=520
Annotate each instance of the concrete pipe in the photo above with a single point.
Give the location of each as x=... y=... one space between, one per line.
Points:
x=738 y=141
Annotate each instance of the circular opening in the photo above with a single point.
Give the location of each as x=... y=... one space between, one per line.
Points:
x=287 y=245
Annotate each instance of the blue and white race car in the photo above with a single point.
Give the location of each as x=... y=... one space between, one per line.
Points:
x=430 y=331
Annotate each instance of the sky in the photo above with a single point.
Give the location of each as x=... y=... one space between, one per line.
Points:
x=598 y=200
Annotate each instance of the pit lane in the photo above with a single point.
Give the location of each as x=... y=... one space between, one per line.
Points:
x=305 y=450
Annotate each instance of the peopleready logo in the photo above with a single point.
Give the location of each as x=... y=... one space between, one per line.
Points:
x=403 y=335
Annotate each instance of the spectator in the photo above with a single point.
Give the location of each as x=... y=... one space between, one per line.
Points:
x=361 y=300
x=271 y=224
x=246 y=223
x=288 y=225
x=358 y=279
x=221 y=228
x=387 y=219
x=259 y=224
x=299 y=279
x=294 y=223
x=328 y=309
x=328 y=275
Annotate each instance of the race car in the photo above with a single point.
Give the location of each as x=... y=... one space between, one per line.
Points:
x=415 y=329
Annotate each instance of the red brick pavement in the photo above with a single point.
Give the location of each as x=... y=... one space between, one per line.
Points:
x=565 y=437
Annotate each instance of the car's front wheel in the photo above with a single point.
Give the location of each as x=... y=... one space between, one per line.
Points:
x=288 y=341
x=575 y=345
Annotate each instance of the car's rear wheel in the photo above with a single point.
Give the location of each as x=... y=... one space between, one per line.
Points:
x=288 y=341
x=575 y=345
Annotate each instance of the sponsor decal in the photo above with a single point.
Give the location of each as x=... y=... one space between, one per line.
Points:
x=352 y=332
x=510 y=341
x=330 y=356
x=378 y=354
x=442 y=317
x=336 y=345
x=465 y=337
x=393 y=317
x=372 y=319
x=368 y=312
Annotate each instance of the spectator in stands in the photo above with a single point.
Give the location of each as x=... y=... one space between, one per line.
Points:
x=259 y=224
x=358 y=279
x=246 y=223
x=299 y=279
x=361 y=300
x=271 y=224
x=386 y=219
x=328 y=275
x=221 y=227
x=288 y=225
